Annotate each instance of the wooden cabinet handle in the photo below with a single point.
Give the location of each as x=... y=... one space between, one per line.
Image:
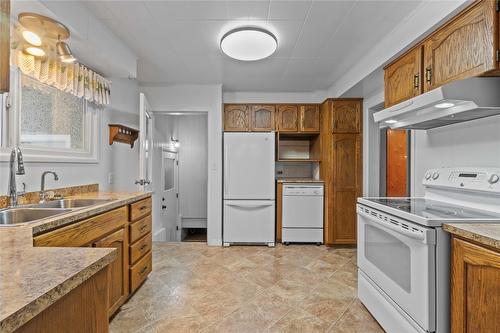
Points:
x=416 y=81
x=143 y=227
x=428 y=74
x=143 y=270
x=143 y=247
x=143 y=207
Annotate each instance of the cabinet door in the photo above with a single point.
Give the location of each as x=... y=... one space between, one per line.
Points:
x=262 y=118
x=464 y=47
x=345 y=188
x=309 y=118
x=288 y=118
x=403 y=78
x=346 y=116
x=475 y=288
x=118 y=269
x=236 y=118
x=4 y=45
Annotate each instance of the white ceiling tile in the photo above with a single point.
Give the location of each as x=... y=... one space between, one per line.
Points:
x=187 y=10
x=240 y=9
x=324 y=18
x=178 y=41
x=288 y=9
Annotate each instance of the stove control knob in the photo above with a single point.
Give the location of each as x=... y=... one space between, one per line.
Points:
x=435 y=175
x=494 y=178
x=428 y=175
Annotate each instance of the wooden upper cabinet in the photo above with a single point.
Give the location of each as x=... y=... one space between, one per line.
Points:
x=475 y=288
x=288 y=118
x=346 y=187
x=236 y=118
x=309 y=118
x=262 y=118
x=346 y=116
x=4 y=45
x=118 y=269
x=403 y=78
x=464 y=47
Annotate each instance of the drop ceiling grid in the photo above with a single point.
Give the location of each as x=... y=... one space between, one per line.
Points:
x=178 y=41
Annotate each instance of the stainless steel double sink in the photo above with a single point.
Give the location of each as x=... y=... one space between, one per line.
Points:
x=35 y=212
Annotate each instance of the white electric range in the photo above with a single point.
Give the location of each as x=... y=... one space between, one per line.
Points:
x=404 y=255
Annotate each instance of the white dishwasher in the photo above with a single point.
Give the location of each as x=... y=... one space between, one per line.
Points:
x=302 y=214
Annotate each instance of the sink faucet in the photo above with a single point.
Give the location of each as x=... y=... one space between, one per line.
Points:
x=42 y=187
x=15 y=156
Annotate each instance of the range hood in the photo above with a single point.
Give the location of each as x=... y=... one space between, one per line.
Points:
x=455 y=102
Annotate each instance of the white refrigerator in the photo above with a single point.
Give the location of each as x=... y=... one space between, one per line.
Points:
x=249 y=206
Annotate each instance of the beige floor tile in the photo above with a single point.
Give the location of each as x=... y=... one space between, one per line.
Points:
x=299 y=321
x=296 y=288
x=356 y=320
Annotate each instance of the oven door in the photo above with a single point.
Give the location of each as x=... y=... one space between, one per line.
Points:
x=399 y=257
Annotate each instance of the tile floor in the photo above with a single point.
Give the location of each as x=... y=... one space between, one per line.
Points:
x=196 y=288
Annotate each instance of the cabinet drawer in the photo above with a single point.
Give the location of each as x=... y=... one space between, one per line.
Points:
x=139 y=272
x=140 y=248
x=84 y=232
x=140 y=209
x=140 y=228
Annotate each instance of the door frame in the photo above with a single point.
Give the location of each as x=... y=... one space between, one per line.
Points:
x=146 y=143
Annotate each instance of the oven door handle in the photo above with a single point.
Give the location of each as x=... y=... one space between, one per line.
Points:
x=420 y=236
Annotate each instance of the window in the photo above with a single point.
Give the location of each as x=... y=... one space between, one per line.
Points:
x=49 y=124
x=50 y=117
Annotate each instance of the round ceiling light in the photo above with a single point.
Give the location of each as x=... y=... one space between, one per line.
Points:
x=249 y=43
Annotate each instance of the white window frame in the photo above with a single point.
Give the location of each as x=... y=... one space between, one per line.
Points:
x=11 y=125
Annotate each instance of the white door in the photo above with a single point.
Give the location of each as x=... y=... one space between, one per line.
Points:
x=145 y=144
x=169 y=195
x=249 y=166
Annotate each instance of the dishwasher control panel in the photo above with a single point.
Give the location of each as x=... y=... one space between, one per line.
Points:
x=303 y=190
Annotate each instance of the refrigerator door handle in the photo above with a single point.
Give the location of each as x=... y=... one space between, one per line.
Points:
x=226 y=170
x=251 y=205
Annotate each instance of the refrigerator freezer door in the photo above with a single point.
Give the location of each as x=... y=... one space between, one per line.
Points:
x=249 y=166
x=248 y=221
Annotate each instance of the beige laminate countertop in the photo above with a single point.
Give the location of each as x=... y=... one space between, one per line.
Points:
x=483 y=233
x=299 y=180
x=33 y=278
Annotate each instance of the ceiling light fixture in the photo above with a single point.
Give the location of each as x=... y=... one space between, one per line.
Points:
x=391 y=121
x=444 y=105
x=32 y=38
x=248 y=43
x=34 y=51
x=64 y=52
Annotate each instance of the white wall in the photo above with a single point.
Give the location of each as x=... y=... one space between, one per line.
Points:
x=93 y=44
x=199 y=98
x=193 y=157
x=471 y=144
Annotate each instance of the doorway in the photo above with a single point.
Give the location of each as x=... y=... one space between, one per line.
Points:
x=183 y=175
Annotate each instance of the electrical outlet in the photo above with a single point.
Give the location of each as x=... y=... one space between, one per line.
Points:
x=110 y=178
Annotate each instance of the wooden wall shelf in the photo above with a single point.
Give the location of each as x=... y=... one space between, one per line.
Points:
x=123 y=134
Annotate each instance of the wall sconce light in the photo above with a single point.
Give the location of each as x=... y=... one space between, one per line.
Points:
x=175 y=142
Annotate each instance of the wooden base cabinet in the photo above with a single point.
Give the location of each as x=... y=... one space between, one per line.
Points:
x=341 y=167
x=83 y=310
x=118 y=269
x=475 y=288
x=140 y=256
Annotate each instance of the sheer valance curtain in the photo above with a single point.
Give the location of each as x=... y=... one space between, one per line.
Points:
x=73 y=78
